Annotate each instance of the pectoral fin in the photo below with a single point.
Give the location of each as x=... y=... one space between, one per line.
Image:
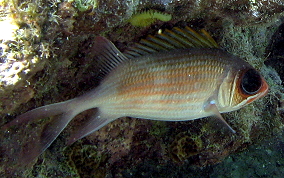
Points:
x=210 y=106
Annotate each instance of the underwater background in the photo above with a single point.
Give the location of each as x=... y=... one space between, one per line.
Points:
x=46 y=57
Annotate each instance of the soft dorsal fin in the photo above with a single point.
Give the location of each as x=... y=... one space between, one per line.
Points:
x=109 y=57
x=176 y=38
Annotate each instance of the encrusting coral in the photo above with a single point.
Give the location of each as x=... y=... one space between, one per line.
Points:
x=184 y=146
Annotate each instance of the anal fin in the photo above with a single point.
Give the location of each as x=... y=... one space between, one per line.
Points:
x=93 y=124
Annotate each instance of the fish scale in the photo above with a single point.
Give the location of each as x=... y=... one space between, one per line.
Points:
x=137 y=89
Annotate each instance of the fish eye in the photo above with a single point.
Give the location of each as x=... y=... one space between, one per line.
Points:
x=251 y=82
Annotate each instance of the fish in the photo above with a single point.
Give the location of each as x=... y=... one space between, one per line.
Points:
x=177 y=75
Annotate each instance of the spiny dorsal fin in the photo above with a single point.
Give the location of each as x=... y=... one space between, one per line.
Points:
x=176 y=38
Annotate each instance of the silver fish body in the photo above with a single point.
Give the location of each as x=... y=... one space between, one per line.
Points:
x=176 y=85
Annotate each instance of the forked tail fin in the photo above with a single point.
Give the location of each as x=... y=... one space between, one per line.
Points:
x=27 y=141
x=38 y=113
x=25 y=144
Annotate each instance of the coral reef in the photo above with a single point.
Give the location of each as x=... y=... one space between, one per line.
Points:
x=84 y=160
x=185 y=146
x=46 y=57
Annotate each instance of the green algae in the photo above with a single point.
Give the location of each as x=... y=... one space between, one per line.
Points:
x=85 y=160
x=158 y=128
x=84 y=5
